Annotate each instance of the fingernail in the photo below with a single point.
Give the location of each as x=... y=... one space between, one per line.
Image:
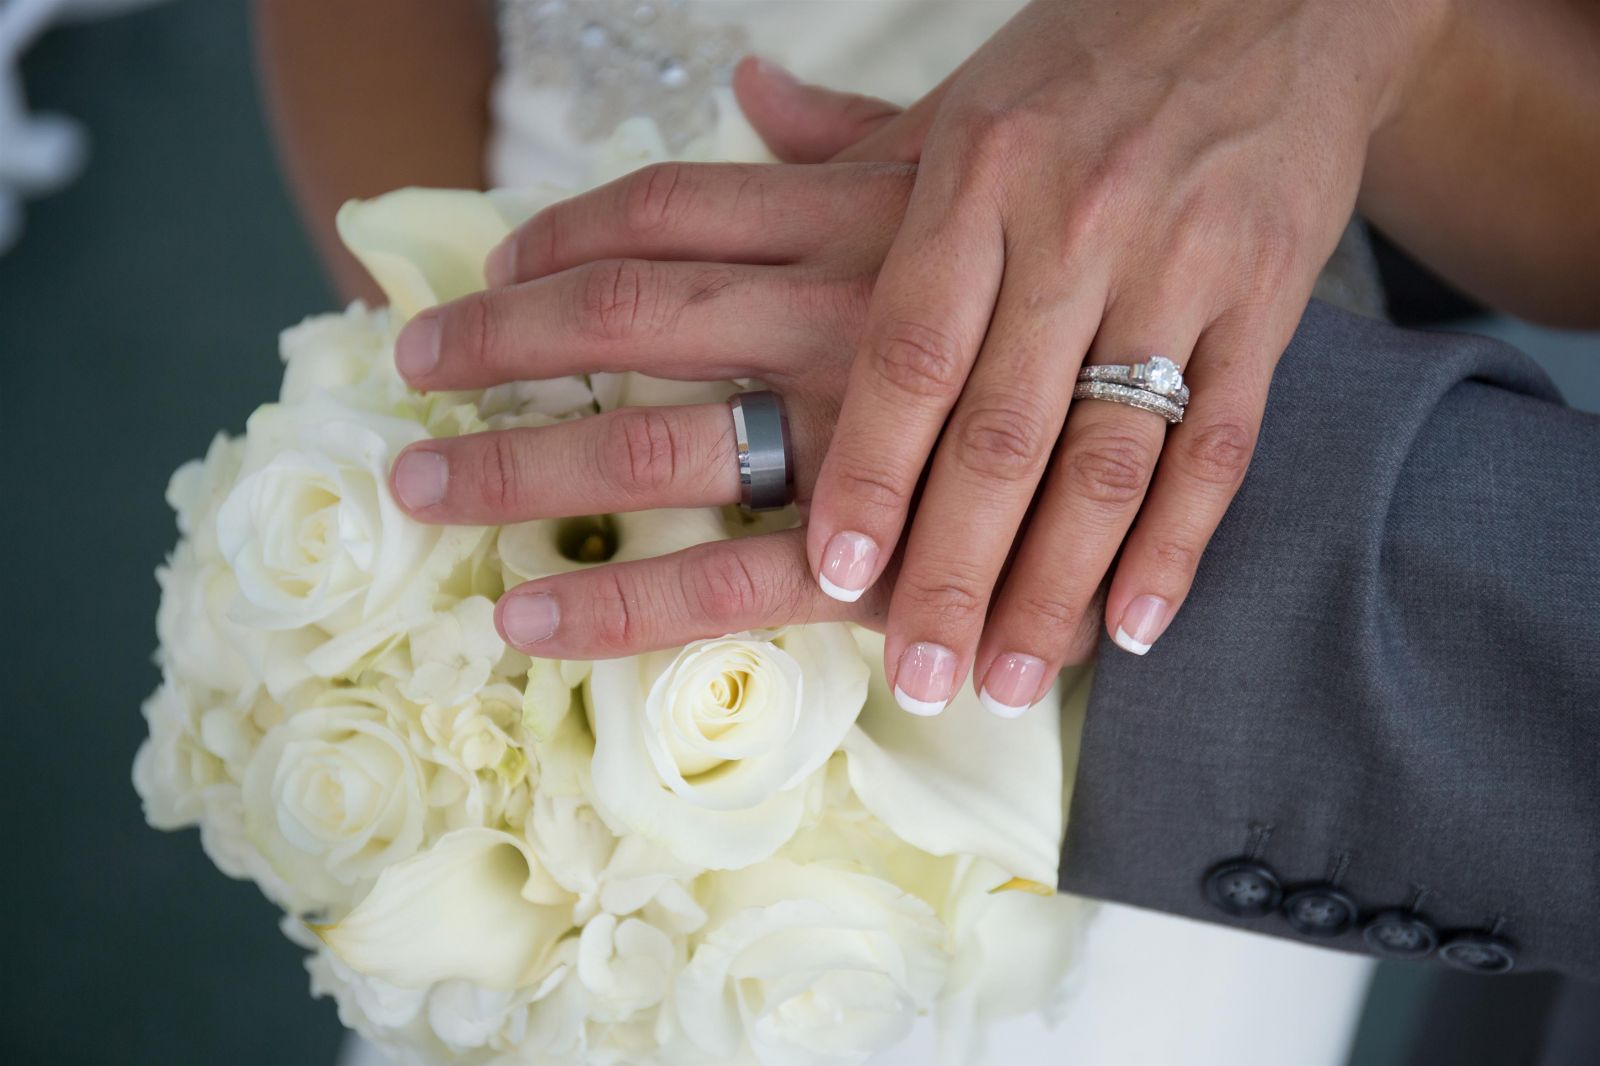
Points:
x=847 y=565
x=501 y=266
x=1012 y=684
x=416 y=350
x=1144 y=620
x=420 y=477
x=529 y=618
x=926 y=679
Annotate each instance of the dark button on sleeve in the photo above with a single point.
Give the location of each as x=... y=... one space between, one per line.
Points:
x=1478 y=953
x=1400 y=935
x=1243 y=888
x=1320 y=910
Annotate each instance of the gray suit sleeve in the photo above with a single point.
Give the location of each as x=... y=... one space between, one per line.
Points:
x=1384 y=689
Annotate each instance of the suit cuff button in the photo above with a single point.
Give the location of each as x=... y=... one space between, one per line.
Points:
x=1243 y=888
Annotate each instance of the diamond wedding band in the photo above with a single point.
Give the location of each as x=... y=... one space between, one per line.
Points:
x=761 y=432
x=1156 y=386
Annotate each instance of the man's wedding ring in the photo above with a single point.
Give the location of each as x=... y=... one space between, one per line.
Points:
x=1155 y=385
x=761 y=432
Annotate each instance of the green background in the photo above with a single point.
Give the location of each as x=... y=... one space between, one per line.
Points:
x=138 y=315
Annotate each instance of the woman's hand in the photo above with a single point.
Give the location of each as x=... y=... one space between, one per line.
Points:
x=1099 y=183
x=696 y=272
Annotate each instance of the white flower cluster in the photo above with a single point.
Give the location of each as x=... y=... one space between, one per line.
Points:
x=738 y=851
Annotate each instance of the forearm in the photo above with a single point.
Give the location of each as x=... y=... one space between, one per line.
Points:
x=1487 y=170
x=370 y=95
x=1388 y=673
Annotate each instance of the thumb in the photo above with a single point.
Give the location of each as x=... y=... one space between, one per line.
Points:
x=804 y=123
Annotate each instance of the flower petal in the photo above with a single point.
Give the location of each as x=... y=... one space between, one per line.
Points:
x=965 y=781
x=426 y=246
x=477 y=906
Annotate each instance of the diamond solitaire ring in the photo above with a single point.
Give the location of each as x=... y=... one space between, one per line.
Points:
x=1159 y=375
x=1155 y=385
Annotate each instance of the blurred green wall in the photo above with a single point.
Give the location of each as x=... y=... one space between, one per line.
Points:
x=138 y=315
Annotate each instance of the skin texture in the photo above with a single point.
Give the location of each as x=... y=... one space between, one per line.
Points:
x=353 y=117
x=1099 y=182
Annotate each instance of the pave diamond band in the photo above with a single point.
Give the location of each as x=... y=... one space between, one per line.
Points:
x=1140 y=398
x=1159 y=375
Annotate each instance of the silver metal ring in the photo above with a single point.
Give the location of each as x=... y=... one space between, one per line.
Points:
x=1145 y=401
x=1158 y=374
x=761 y=430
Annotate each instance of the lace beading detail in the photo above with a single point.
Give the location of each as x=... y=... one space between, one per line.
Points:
x=623 y=58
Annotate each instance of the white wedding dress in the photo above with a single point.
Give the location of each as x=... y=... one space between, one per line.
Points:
x=1150 y=988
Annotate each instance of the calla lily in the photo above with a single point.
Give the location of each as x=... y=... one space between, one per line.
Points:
x=965 y=781
x=427 y=246
x=477 y=906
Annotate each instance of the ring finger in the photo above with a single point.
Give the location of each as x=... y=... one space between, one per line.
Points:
x=1097 y=482
x=632 y=459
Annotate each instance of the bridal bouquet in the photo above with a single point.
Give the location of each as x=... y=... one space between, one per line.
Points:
x=739 y=850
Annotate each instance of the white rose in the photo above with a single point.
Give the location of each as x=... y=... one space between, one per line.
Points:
x=705 y=751
x=806 y=964
x=174 y=768
x=321 y=551
x=1015 y=953
x=335 y=794
x=200 y=641
x=348 y=355
x=197 y=488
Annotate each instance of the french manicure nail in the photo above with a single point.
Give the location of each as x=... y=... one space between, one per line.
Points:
x=1143 y=621
x=501 y=266
x=847 y=565
x=529 y=618
x=926 y=679
x=1012 y=684
x=416 y=350
x=420 y=477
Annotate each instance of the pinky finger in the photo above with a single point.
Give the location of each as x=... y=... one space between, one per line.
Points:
x=706 y=591
x=1202 y=465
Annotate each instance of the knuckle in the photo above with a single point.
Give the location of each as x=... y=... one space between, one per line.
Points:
x=994 y=135
x=479 y=325
x=1174 y=556
x=655 y=197
x=644 y=450
x=917 y=359
x=1109 y=469
x=541 y=242
x=498 y=473
x=1217 y=453
x=953 y=597
x=1045 y=612
x=1275 y=249
x=615 y=617
x=614 y=298
x=871 y=488
x=1003 y=443
x=722 y=587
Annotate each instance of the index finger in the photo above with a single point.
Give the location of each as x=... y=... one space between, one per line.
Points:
x=929 y=312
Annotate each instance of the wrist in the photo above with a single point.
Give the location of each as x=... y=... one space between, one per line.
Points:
x=1416 y=27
